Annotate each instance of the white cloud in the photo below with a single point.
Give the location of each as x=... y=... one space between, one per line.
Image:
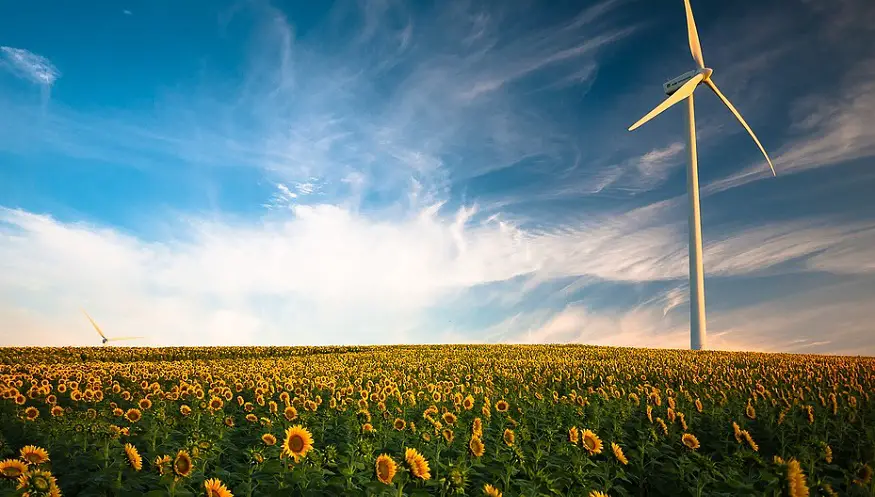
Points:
x=326 y=275
x=28 y=65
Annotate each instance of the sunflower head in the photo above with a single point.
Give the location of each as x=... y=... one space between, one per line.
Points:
x=417 y=463
x=182 y=464
x=385 y=468
x=591 y=442
x=618 y=453
x=134 y=458
x=12 y=468
x=491 y=491
x=509 y=437
x=268 y=439
x=298 y=442
x=690 y=441
x=34 y=455
x=215 y=488
x=476 y=446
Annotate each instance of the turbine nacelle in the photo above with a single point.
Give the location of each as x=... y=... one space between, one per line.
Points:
x=673 y=84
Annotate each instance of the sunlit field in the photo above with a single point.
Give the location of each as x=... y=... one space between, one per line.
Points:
x=433 y=420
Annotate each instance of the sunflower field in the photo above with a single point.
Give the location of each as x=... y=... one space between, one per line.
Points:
x=512 y=420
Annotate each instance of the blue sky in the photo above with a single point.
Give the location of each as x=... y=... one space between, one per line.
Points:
x=209 y=172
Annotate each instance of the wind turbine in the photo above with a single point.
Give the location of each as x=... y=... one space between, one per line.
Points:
x=104 y=340
x=678 y=89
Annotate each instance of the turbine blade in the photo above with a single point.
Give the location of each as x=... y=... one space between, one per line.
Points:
x=122 y=338
x=683 y=92
x=93 y=324
x=695 y=47
x=732 y=108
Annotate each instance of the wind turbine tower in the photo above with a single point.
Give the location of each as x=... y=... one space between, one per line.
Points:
x=677 y=89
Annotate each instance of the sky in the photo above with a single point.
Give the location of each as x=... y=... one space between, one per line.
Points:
x=297 y=173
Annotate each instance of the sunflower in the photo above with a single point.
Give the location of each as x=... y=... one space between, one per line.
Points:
x=133 y=415
x=298 y=442
x=268 y=439
x=216 y=403
x=491 y=491
x=368 y=428
x=116 y=411
x=690 y=441
x=229 y=422
x=509 y=437
x=182 y=464
x=796 y=479
x=134 y=457
x=573 y=435
x=184 y=410
x=449 y=418
x=596 y=493
x=12 y=468
x=591 y=442
x=38 y=483
x=864 y=475
x=145 y=404
x=385 y=468
x=618 y=453
x=417 y=463
x=57 y=411
x=162 y=463
x=753 y=445
x=468 y=403
x=399 y=424
x=34 y=455
x=448 y=435
x=476 y=446
x=215 y=488
x=477 y=427
x=31 y=413
x=502 y=406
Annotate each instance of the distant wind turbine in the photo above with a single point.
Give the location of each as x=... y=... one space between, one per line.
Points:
x=678 y=89
x=102 y=336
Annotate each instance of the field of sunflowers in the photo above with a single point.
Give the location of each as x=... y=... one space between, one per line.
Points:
x=493 y=420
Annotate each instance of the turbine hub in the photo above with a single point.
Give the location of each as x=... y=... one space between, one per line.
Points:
x=707 y=72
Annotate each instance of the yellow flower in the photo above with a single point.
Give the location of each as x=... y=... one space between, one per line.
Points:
x=399 y=424
x=57 y=411
x=573 y=435
x=31 y=413
x=491 y=491
x=12 y=468
x=33 y=454
x=268 y=439
x=133 y=415
x=476 y=446
x=749 y=439
x=38 y=482
x=215 y=488
x=796 y=479
x=618 y=453
x=134 y=457
x=509 y=437
x=596 y=493
x=690 y=441
x=502 y=406
x=386 y=468
x=417 y=463
x=591 y=442
x=864 y=476
x=298 y=442
x=162 y=463
x=449 y=418
x=182 y=464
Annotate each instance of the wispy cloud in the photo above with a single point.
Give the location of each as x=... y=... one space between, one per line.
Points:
x=30 y=66
x=830 y=130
